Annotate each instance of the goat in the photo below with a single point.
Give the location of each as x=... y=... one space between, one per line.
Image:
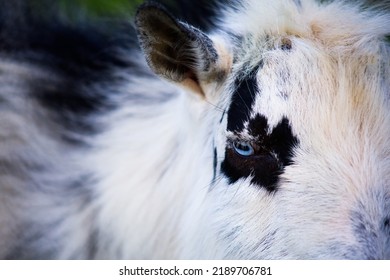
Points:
x=266 y=138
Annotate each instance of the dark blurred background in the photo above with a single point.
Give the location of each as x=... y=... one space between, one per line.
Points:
x=197 y=12
x=191 y=10
x=123 y=7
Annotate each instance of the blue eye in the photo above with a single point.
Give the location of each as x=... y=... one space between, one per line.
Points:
x=243 y=148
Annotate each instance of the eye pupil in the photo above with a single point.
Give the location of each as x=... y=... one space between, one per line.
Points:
x=243 y=148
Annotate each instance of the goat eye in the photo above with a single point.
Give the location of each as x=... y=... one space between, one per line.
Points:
x=243 y=148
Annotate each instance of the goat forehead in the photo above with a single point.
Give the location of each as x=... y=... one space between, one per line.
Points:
x=307 y=81
x=335 y=109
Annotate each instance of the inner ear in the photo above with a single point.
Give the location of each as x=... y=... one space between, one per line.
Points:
x=164 y=43
x=173 y=49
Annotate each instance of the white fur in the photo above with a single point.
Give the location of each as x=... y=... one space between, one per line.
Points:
x=153 y=166
x=338 y=111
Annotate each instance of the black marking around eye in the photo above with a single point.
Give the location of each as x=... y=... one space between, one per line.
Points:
x=272 y=155
x=265 y=169
x=281 y=140
x=242 y=101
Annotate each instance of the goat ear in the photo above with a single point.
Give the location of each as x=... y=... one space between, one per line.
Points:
x=175 y=50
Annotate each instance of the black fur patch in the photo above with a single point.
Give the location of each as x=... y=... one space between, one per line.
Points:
x=273 y=152
x=83 y=61
x=242 y=101
x=281 y=140
x=82 y=56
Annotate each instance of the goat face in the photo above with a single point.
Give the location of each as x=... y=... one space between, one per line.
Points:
x=300 y=125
